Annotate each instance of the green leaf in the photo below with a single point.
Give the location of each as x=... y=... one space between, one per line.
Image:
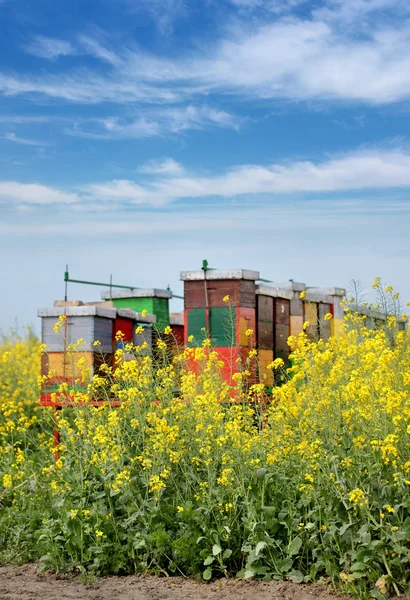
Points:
x=358 y=566
x=296 y=576
x=209 y=560
x=294 y=546
x=406 y=528
x=227 y=553
x=207 y=574
x=260 y=546
x=286 y=565
x=249 y=573
x=216 y=549
x=344 y=528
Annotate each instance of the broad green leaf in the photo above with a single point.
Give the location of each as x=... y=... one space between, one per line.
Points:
x=294 y=546
x=207 y=574
x=216 y=549
x=260 y=546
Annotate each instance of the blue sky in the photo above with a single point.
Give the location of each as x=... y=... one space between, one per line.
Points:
x=138 y=137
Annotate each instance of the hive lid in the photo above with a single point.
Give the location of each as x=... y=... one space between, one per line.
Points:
x=136 y=293
x=96 y=311
x=213 y=274
x=275 y=292
x=127 y=313
x=334 y=291
x=78 y=311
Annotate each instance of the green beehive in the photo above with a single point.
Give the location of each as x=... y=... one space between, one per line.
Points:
x=155 y=301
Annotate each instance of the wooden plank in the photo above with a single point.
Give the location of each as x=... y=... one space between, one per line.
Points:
x=264 y=308
x=311 y=314
x=265 y=335
x=324 y=326
x=62 y=366
x=240 y=292
x=296 y=325
x=196 y=323
x=126 y=327
x=281 y=338
x=222 y=325
x=265 y=357
x=245 y=319
x=282 y=311
x=296 y=306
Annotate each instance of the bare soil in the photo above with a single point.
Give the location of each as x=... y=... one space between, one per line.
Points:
x=24 y=583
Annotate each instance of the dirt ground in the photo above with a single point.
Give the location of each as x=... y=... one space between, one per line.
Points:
x=24 y=583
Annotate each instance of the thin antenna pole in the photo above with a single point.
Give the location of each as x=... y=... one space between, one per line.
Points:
x=110 y=287
x=66 y=283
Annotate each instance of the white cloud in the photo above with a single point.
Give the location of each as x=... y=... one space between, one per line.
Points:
x=12 y=137
x=356 y=171
x=50 y=48
x=166 y=181
x=167 y=166
x=331 y=54
x=155 y=122
x=34 y=193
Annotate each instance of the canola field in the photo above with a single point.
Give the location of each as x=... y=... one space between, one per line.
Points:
x=308 y=482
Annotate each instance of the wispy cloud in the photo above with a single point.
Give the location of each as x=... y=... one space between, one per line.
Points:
x=35 y=194
x=315 y=57
x=12 y=137
x=50 y=48
x=166 y=181
x=155 y=122
x=166 y=166
x=162 y=12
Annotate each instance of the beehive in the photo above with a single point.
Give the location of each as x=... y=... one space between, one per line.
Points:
x=273 y=317
x=97 y=328
x=333 y=298
x=155 y=301
x=66 y=360
x=227 y=323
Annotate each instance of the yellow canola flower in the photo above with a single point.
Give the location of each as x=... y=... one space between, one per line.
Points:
x=226 y=298
x=249 y=332
x=328 y=316
x=144 y=312
x=302 y=294
x=167 y=330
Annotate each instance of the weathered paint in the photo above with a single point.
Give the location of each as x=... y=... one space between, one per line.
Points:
x=296 y=305
x=324 y=326
x=265 y=357
x=222 y=325
x=124 y=326
x=196 y=324
x=311 y=314
x=265 y=335
x=245 y=319
x=281 y=311
x=240 y=292
x=264 y=308
x=155 y=306
x=296 y=325
x=281 y=339
x=62 y=366
x=90 y=328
